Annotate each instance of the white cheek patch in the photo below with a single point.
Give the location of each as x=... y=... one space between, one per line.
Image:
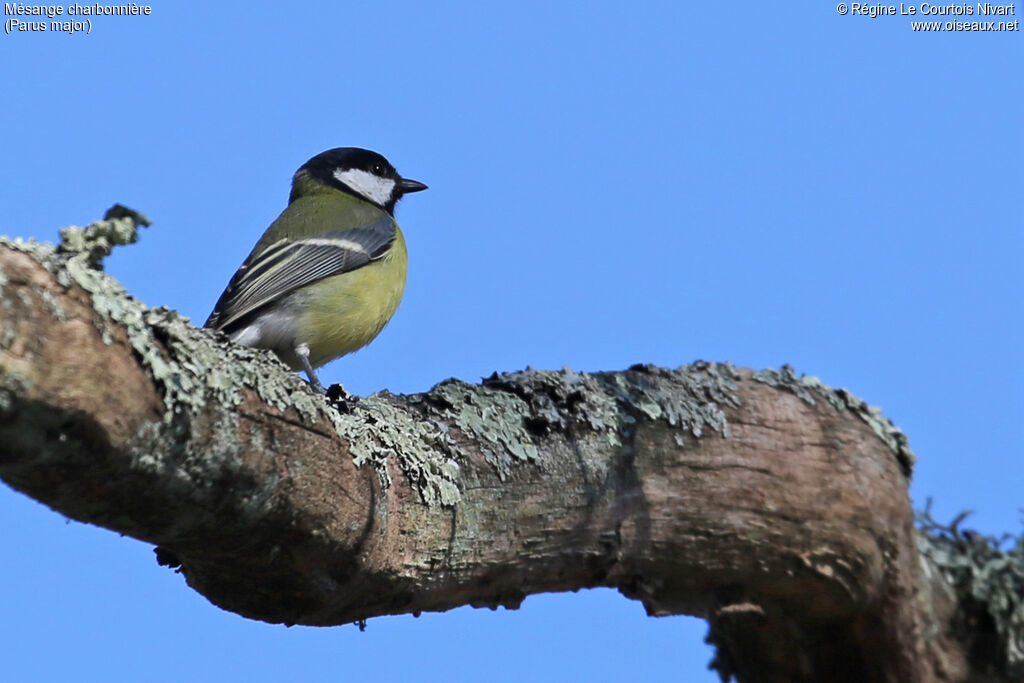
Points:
x=378 y=190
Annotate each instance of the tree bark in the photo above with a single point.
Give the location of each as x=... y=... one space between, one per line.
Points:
x=771 y=505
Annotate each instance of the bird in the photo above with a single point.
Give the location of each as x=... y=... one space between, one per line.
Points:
x=329 y=272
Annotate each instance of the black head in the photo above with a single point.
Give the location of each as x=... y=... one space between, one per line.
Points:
x=358 y=172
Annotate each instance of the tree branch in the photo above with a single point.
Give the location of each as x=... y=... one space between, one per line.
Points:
x=771 y=505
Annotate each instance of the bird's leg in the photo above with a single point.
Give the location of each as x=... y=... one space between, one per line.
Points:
x=302 y=352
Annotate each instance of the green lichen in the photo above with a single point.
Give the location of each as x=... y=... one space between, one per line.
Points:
x=986 y=577
x=509 y=412
x=559 y=399
x=92 y=244
x=198 y=366
x=690 y=397
x=808 y=389
x=382 y=426
x=53 y=305
x=496 y=419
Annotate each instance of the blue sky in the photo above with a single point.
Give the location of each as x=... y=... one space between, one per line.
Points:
x=762 y=184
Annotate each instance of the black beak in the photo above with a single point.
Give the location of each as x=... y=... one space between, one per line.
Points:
x=406 y=186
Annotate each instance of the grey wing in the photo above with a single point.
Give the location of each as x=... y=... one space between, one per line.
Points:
x=287 y=265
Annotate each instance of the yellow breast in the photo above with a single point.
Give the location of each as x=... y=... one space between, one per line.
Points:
x=346 y=312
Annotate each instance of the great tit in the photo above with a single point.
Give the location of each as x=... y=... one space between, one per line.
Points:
x=328 y=274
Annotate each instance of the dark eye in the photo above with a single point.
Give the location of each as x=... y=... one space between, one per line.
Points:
x=378 y=169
